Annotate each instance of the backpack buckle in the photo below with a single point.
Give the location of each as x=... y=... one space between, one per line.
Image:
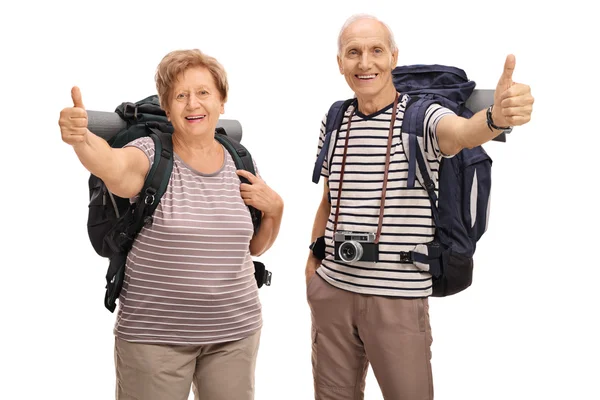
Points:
x=148 y=221
x=406 y=256
x=149 y=199
x=130 y=111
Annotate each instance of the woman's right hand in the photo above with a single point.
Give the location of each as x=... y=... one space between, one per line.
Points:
x=73 y=121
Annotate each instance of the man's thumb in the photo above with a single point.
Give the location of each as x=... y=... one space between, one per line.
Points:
x=76 y=96
x=509 y=67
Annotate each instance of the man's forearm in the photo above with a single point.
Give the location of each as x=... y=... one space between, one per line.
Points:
x=320 y=220
x=456 y=133
x=319 y=226
x=475 y=131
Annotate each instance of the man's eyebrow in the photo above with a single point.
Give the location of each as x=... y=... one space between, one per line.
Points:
x=354 y=44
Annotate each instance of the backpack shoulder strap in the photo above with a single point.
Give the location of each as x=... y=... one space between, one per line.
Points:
x=154 y=187
x=243 y=160
x=413 y=126
x=160 y=173
x=157 y=180
x=335 y=116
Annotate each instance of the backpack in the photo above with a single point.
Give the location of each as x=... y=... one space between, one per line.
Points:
x=113 y=222
x=460 y=207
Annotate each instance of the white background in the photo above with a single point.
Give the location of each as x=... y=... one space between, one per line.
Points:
x=525 y=329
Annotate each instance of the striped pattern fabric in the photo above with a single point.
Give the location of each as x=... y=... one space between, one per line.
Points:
x=407 y=218
x=189 y=277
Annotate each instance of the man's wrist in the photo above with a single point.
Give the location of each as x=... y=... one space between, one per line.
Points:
x=318 y=248
x=492 y=125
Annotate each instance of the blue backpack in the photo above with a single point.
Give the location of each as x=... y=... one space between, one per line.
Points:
x=461 y=205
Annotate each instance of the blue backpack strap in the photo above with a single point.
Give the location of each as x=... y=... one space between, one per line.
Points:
x=412 y=130
x=335 y=116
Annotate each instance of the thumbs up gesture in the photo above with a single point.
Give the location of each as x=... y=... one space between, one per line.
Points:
x=73 y=121
x=513 y=102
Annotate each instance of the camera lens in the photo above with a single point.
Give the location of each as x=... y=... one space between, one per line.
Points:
x=350 y=251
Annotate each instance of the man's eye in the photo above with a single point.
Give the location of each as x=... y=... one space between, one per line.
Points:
x=378 y=51
x=202 y=92
x=181 y=96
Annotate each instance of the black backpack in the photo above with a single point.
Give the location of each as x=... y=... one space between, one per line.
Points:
x=113 y=222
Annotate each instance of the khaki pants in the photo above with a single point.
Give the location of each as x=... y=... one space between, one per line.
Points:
x=351 y=330
x=222 y=371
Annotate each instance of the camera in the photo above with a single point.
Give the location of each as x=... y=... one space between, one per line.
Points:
x=353 y=246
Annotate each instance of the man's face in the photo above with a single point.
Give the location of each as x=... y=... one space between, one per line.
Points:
x=195 y=102
x=366 y=59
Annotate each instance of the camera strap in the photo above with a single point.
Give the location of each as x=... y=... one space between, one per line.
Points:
x=385 y=174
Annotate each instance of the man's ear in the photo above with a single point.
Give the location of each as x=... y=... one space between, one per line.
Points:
x=339 y=61
x=395 y=58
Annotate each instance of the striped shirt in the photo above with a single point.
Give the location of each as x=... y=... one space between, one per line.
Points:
x=407 y=219
x=189 y=278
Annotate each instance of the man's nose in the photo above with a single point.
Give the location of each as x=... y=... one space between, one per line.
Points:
x=365 y=61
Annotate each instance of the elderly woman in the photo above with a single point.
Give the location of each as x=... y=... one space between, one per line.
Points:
x=189 y=311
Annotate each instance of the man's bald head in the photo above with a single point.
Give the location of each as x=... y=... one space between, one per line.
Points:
x=359 y=17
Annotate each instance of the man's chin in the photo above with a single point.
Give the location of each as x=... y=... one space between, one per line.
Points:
x=366 y=91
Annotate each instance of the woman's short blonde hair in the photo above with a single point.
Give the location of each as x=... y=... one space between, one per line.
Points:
x=177 y=62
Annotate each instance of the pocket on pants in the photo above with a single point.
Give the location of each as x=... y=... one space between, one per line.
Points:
x=311 y=281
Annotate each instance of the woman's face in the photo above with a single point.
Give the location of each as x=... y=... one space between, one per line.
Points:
x=195 y=103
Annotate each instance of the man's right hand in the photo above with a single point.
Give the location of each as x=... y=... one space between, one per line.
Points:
x=311 y=267
x=73 y=121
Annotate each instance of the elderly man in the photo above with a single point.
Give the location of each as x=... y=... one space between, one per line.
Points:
x=377 y=312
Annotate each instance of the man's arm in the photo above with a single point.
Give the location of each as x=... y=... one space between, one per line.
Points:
x=513 y=105
x=318 y=229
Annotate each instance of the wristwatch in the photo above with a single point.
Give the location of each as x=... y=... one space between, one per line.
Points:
x=318 y=247
x=490 y=122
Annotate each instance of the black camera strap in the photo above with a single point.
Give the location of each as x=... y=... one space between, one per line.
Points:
x=385 y=174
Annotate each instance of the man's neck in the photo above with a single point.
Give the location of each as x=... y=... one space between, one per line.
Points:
x=370 y=105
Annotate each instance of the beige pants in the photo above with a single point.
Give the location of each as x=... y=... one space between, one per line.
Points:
x=223 y=371
x=351 y=330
